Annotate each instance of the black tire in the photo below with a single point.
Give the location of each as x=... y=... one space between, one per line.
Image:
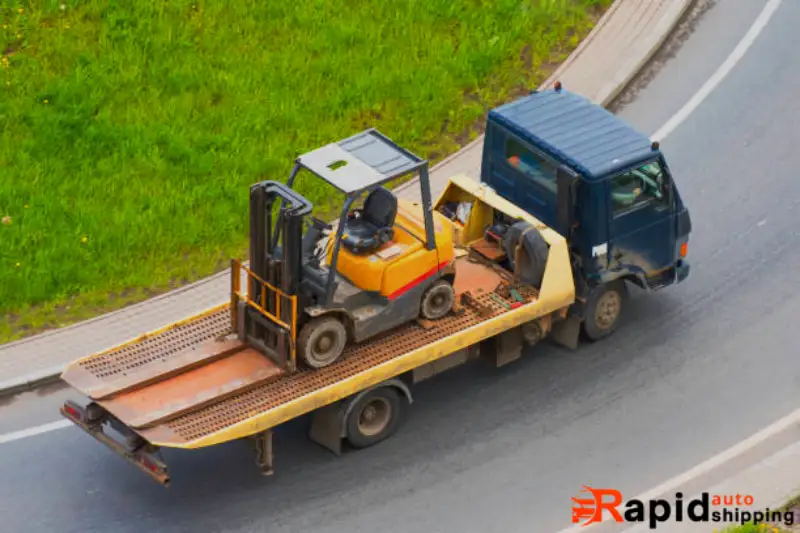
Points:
x=321 y=341
x=535 y=252
x=604 y=309
x=437 y=300
x=363 y=428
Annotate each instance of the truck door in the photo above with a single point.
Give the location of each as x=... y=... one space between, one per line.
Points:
x=641 y=232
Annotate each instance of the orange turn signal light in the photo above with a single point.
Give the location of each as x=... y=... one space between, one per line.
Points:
x=684 y=249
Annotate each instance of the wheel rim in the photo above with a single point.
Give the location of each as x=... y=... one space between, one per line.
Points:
x=438 y=301
x=374 y=417
x=608 y=307
x=324 y=348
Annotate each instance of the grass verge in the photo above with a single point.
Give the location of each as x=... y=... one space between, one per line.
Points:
x=129 y=132
x=751 y=528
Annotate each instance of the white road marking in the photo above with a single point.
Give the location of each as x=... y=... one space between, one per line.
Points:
x=742 y=447
x=32 y=432
x=724 y=69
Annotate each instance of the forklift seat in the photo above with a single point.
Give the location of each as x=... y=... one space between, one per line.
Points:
x=374 y=227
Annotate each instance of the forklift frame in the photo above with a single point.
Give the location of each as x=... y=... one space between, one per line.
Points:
x=368 y=160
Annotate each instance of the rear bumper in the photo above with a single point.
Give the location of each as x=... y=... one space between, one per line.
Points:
x=140 y=454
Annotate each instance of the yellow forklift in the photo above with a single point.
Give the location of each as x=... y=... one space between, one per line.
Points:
x=316 y=287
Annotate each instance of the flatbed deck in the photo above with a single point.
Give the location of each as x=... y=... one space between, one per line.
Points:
x=194 y=384
x=293 y=395
x=288 y=396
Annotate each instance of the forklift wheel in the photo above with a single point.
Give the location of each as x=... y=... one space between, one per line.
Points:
x=321 y=341
x=437 y=300
x=374 y=417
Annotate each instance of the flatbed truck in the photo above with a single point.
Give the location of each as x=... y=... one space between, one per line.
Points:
x=205 y=380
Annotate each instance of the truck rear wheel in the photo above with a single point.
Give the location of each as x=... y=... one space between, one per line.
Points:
x=604 y=309
x=376 y=416
x=321 y=341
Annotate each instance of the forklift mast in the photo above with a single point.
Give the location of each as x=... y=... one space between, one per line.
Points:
x=269 y=312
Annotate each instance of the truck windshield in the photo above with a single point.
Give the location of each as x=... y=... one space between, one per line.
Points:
x=638 y=186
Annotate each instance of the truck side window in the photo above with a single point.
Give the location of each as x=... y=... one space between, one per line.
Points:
x=638 y=186
x=535 y=167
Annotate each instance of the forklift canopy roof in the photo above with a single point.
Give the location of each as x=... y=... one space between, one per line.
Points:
x=361 y=161
x=581 y=133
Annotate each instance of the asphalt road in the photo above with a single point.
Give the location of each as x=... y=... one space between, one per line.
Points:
x=694 y=370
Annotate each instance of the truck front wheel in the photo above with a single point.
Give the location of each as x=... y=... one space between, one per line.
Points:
x=375 y=417
x=604 y=309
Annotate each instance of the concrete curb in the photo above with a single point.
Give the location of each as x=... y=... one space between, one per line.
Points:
x=601 y=23
x=662 y=31
x=31 y=381
x=137 y=305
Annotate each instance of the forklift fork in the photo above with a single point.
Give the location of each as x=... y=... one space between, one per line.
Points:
x=268 y=316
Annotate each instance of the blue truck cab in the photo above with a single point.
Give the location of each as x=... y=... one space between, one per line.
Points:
x=603 y=185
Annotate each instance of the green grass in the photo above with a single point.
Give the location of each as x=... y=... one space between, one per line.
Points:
x=129 y=131
x=750 y=528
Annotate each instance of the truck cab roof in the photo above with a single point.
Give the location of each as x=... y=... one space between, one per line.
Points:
x=573 y=129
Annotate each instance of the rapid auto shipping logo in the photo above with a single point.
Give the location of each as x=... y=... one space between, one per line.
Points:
x=707 y=508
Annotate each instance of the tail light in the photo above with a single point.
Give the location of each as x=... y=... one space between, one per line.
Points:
x=152 y=464
x=74 y=411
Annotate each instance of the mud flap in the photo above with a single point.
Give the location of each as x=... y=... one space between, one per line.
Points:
x=503 y=348
x=326 y=427
x=567 y=332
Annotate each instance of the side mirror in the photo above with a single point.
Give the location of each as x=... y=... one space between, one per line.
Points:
x=669 y=186
x=566 y=180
